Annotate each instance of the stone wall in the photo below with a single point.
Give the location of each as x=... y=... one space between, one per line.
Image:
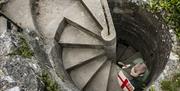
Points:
x=145 y=32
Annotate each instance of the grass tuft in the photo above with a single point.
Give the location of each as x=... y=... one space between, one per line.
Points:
x=23 y=49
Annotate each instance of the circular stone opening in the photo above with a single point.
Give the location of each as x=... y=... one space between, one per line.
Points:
x=141 y=32
x=84 y=59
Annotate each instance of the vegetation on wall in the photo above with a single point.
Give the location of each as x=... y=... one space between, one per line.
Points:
x=23 y=49
x=172 y=84
x=49 y=83
x=169 y=10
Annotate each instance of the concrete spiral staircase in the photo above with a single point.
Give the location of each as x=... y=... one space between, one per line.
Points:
x=89 y=55
x=85 y=47
x=84 y=30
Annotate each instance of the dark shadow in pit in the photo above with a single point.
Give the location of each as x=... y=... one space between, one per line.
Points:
x=145 y=33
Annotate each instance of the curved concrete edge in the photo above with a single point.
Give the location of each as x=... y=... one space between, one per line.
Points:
x=59 y=72
x=20 y=12
x=49 y=59
x=109 y=34
x=155 y=50
x=49 y=56
x=96 y=11
x=109 y=39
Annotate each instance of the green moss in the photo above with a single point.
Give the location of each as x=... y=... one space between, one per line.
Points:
x=169 y=10
x=171 y=84
x=23 y=49
x=49 y=84
x=166 y=85
x=176 y=79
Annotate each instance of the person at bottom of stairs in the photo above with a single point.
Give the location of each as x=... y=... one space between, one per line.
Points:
x=135 y=73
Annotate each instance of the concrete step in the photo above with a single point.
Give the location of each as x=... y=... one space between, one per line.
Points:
x=79 y=16
x=128 y=53
x=135 y=58
x=113 y=84
x=74 y=66
x=72 y=35
x=95 y=8
x=120 y=50
x=3 y=25
x=83 y=74
x=100 y=80
x=74 y=56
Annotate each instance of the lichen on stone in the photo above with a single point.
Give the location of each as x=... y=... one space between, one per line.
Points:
x=18 y=66
x=23 y=49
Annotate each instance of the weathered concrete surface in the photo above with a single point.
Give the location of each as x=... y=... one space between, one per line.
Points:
x=108 y=35
x=3 y=25
x=74 y=56
x=83 y=18
x=100 y=81
x=20 y=12
x=49 y=14
x=84 y=73
x=97 y=11
x=87 y=19
x=113 y=84
x=72 y=35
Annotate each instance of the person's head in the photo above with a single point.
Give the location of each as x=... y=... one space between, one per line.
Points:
x=138 y=69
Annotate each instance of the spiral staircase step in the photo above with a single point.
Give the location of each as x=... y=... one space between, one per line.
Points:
x=100 y=80
x=74 y=56
x=128 y=53
x=113 y=84
x=79 y=16
x=82 y=74
x=72 y=35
